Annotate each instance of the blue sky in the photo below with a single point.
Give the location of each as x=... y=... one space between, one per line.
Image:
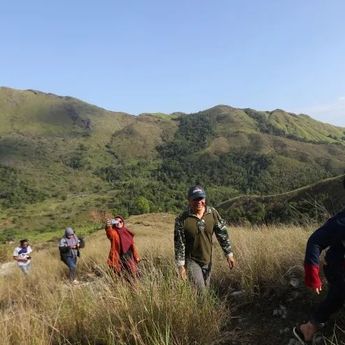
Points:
x=166 y=56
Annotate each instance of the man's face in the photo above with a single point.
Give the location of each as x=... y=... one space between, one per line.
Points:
x=197 y=204
x=25 y=244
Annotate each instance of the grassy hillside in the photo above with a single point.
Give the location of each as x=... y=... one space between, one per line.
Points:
x=62 y=159
x=140 y=139
x=226 y=147
x=266 y=285
x=315 y=202
x=51 y=142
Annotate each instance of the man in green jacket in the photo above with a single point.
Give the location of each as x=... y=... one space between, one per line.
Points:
x=194 y=229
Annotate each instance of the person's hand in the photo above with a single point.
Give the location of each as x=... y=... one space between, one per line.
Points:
x=231 y=261
x=108 y=222
x=182 y=272
x=317 y=290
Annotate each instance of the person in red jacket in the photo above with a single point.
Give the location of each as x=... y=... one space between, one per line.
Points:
x=330 y=236
x=123 y=256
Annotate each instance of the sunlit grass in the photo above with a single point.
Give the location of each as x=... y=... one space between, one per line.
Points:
x=159 y=309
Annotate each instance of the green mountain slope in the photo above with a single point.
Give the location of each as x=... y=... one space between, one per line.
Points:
x=310 y=203
x=59 y=150
x=226 y=147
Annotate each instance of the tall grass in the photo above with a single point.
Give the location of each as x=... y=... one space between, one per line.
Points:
x=268 y=257
x=41 y=309
x=44 y=309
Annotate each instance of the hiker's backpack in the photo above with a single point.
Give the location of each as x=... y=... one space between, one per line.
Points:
x=81 y=242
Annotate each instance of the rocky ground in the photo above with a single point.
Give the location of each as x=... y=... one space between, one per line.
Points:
x=269 y=320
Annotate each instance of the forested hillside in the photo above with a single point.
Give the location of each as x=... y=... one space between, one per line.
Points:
x=315 y=202
x=62 y=160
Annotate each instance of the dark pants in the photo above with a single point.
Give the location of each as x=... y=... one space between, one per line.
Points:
x=198 y=274
x=335 y=297
x=71 y=263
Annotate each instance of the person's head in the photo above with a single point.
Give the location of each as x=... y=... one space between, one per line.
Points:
x=118 y=222
x=196 y=197
x=69 y=232
x=24 y=243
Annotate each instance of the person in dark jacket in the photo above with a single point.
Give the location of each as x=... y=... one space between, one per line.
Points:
x=330 y=236
x=194 y=229
x=69 y=252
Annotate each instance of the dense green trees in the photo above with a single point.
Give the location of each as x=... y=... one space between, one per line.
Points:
x=203 y=148
x=15 y=192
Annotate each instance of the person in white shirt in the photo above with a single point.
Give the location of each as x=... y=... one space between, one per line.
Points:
x=22 y=255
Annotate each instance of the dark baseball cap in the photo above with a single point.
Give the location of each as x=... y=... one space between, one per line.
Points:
x=196 y=192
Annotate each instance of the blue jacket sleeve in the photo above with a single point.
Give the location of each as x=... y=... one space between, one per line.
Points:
x=327 y=235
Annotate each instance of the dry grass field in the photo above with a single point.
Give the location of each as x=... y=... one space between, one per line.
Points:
x=256 y=303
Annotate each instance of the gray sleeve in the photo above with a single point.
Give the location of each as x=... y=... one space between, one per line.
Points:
x=221 y=232
x=179 y=242
x=63 y=242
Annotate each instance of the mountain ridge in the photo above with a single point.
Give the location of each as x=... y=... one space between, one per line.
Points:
x=54 y=147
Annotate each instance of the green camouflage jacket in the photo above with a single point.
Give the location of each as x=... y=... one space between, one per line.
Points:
x=193 y=236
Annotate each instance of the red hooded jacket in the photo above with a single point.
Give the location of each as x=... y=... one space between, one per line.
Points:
x=121 y=241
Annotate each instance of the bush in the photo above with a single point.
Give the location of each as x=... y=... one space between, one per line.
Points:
x=141 y=205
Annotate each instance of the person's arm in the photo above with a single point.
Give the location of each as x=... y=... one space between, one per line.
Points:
x=180 y=247
x=29 y=252
x=62 y=242
x=136 y=254
x=319 y=240
x=17 y=257
x=221 y=232
x=108 y=229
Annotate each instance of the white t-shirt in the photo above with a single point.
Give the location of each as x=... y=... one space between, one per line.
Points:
x=17 y=253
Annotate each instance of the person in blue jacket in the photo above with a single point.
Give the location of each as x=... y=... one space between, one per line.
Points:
x=329 y=237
